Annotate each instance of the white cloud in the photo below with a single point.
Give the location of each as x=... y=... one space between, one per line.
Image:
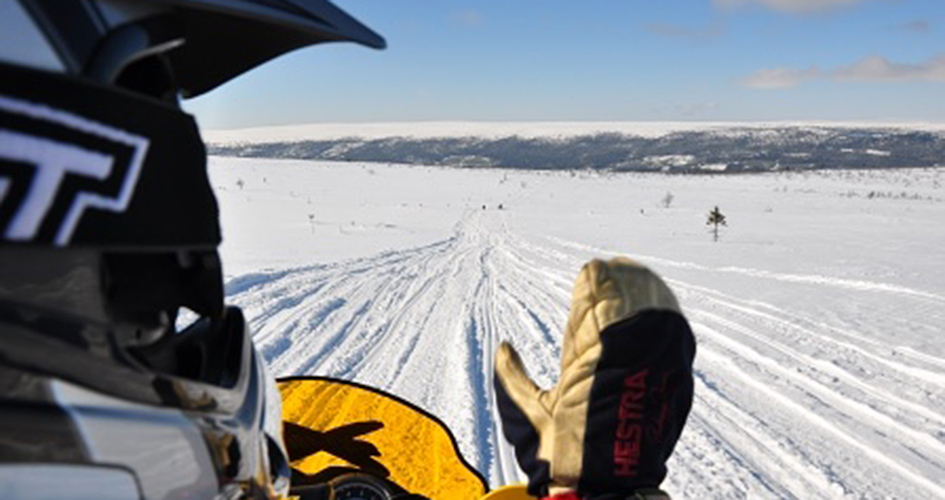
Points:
x=472 y=18
x=779 y=78
x=918 y=26
x=869 y=69
x=879 y=69
x=794 y=6
x=670 y=30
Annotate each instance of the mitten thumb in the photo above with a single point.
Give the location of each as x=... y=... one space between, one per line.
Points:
x=526 y=420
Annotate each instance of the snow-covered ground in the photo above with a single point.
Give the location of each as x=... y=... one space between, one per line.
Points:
x=820 y=315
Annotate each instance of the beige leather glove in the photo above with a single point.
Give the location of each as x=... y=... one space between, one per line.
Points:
x=608 y=427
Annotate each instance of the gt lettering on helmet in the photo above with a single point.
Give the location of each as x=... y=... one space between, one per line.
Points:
x=630 y=425
x=53 y=161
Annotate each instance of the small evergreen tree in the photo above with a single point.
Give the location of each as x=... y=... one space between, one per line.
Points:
x=667 y=200
x=716 y=219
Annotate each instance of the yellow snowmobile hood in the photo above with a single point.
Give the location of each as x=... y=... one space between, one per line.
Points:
x=511 y=492
x=333 y=427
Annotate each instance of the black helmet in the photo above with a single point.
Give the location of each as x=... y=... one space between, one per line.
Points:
x=108 y=229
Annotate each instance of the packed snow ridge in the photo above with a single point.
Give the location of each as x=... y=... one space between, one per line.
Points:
x=667 y=147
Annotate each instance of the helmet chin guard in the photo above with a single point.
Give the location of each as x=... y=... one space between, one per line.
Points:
x=108 y=227
x=117 y=178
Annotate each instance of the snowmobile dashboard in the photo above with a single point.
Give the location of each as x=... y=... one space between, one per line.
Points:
x=354 y=486
x=359 y=487
x=365 y=487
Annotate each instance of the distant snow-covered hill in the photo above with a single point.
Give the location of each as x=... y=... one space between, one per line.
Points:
x=673 y=147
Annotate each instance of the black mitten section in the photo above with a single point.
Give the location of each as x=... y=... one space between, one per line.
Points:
x=519 y=431
x=640 y=399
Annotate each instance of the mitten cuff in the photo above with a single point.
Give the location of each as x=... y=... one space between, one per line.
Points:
x=567 y=495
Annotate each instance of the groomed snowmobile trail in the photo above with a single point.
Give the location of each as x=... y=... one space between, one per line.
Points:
x=793 y=400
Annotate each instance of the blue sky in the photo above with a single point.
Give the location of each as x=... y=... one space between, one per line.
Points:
x=614 y=60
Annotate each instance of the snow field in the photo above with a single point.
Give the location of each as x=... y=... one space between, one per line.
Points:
x=820 y=370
